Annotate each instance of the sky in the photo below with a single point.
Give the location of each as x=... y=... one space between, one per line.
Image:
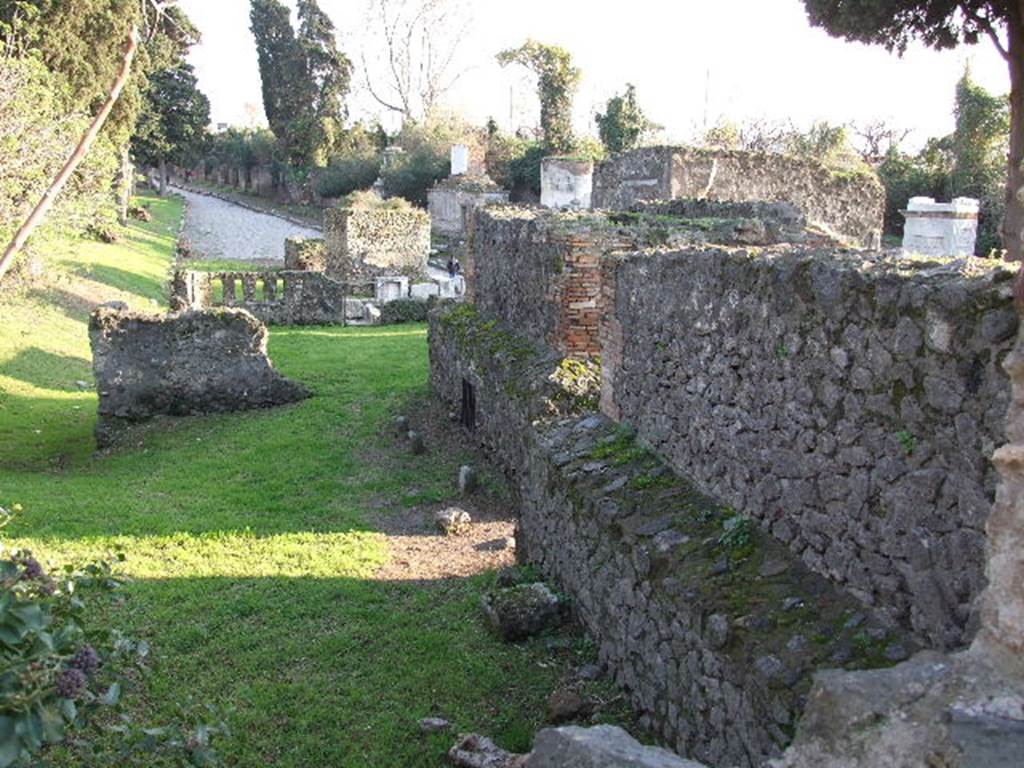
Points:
x=693 y=62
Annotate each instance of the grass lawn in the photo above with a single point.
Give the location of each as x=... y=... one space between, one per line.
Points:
x=248 y=535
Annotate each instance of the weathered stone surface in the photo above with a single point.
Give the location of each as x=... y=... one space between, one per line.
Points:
x=305 y=254
x=434 y=725
x=181 y=364
x=366 y=243
x=799 y=386
x=603 y=746
x=632 y=546
x=564 y=705
x=849 y=205
x=452 y=200
x=273 y=297
x=516 y=613
x=475 y=751
x=934 y=710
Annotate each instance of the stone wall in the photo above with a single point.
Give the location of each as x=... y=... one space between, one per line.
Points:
x=849 y=404
x=538 y=272
x=181 y=364
x=452 y=200
x=369 y=242
x=850 y=205
x=274 y=297
x=712 y=628
x=307 y=254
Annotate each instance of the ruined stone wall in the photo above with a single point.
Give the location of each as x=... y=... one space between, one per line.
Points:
x=851 y=205
x=452 y=200
x=305 y=254
x=713 y=630
x=850 y=406
x=365 y=243
x=275 y=297
x=181 y=364
x=539 y=273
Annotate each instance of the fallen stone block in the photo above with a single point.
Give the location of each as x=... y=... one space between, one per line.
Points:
x=371 y=314
x=475 y=751
x=434 y=725
x=453 y=521
x=603 y=746
x=207 y=361
x=423 y=291
x=523 y=611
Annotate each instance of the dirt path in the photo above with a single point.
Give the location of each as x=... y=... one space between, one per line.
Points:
x=217 y=229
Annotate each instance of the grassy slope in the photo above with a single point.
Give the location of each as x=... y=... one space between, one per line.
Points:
x=248 y=539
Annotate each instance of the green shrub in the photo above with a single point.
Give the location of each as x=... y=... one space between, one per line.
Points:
x=346 y=175
x=415 y=173
x=404 y=311
x=37 y=134
x=60 y=667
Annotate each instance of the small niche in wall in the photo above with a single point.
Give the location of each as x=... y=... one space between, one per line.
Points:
x=468 y=414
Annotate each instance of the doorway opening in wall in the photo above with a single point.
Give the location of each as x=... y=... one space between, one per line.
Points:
x=468 y=415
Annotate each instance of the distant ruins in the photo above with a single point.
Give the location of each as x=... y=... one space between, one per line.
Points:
x=827 y=415
x=468 y=187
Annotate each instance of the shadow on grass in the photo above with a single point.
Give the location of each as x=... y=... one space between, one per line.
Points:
x=38 y=367
x=338 y=671
x=123 y=280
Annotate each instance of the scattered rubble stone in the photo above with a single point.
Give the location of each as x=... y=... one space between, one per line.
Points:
x=476 y=751
x=564 y=704
x=453 y=521
x=434 y=725
x=402 y=425
x=523 y=611
x=601 y=746
x=416 y=444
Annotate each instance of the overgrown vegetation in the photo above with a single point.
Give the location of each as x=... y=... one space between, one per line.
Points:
x=557 y=80
x=249 y=541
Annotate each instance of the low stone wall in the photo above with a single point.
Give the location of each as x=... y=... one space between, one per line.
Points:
x=713 y=629
x=179 y=365
x=274 y=297
x=849 y=405
x=366 y=243
x=850 y=205
x=304 y=254
x=452 y=200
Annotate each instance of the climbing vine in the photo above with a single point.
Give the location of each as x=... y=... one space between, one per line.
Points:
x=557 y=79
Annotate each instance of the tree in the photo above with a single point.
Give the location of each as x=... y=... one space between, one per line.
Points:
x=979 y=148
x=304 y=77
x=173 y=121
x=415 y=45
x=623 y=123
x=557 y=79
x=944 y=24
x=330 y=72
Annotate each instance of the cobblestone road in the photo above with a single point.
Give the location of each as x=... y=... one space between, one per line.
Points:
x=220 y=230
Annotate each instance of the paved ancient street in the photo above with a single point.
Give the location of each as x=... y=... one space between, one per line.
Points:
x=216 y=229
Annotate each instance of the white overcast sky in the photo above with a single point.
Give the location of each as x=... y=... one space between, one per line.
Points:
x=751 y=58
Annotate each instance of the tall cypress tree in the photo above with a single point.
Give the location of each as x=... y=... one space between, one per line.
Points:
x=305 y=78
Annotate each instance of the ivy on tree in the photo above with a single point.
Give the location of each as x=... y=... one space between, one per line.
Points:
x=623 y=123
x=944 y=24
x=557 y=79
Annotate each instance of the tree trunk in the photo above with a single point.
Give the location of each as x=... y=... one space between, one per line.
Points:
x=1013 y=222
x=123 y=185
x=44 y=204
x=163 y=176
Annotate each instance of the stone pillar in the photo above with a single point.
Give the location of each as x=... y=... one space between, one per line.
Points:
x=460 y=160
x=566 y=183
x=940 y=229
x=1003 y=599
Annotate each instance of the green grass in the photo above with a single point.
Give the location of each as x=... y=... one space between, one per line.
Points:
x=248 y=539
